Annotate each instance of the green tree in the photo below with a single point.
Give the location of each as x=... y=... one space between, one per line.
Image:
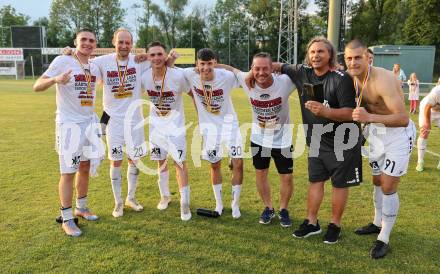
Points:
x=378 y=21
x=169 y=19
x=423 y=26
x=10 y=17
x=193 y=30
x=229 y=26
x=68 y=16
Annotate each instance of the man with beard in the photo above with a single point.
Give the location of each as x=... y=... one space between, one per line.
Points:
x=271 y=135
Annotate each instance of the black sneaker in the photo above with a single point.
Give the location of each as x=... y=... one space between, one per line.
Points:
x=267 y=216
x=305 y=230
x=284 y=218
x=368 y=229
x=333 y=234
x=379 y=250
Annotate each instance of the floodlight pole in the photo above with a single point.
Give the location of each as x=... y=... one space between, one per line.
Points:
x=334 y=19
x=295 y=33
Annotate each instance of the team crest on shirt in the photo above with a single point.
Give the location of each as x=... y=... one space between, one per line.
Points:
x=264 y=96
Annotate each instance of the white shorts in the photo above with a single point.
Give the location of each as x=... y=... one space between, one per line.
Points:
x=390 y=148
x=75 y=143
x=117 y=139
x=213 y=146
x=161 y=144
x=435 y=116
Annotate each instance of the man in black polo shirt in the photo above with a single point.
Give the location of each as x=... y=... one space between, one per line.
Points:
x=327 y=99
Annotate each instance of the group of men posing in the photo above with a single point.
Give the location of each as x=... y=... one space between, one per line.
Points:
x=333 y=104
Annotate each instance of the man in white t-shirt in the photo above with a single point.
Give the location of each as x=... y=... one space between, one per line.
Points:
x=164 y=87
x=121 y=76
x=271 y=133
x=218 y=123
x=75 y=78
x=429 y=114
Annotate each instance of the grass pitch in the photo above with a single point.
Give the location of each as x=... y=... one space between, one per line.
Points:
x=158 y=241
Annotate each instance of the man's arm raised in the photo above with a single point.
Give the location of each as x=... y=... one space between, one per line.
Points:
x=45 y=82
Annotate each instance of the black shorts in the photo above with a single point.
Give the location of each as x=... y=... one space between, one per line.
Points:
x=282 y=157
x=343 y=174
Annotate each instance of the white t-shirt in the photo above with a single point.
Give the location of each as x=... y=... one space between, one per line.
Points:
x=117 y=103
x=166 y=111
x=218 y=93
x=270 y=111
x=73 y=103
x=433 y=99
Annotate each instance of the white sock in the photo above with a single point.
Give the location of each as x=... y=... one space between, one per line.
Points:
x=421 y=148
x=218 y=197
x=132 y=178
x=81 y=202
x=378 y=201
x=116 y=179
x=66 y=213
x=236 y=190
x=389 y=215
x=184 y=195
x=163 y=184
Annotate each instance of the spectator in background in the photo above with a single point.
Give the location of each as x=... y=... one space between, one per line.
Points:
x=413 y=95
x=399 y=73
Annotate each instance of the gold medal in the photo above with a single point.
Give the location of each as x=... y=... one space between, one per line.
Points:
x=121 y=76
x=207 y=97
x=88 y=76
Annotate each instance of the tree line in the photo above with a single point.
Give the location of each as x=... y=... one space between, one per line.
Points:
x=235 y=28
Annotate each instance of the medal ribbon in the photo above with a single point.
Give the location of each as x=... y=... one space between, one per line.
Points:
x=207 y=96
x=121 y=78
x=87 y=75
x=162 y=86
x=364 y=83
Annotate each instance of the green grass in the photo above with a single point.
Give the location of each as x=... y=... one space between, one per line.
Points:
x=154 y=241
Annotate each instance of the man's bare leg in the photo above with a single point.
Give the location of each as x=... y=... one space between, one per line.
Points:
x=82 y=187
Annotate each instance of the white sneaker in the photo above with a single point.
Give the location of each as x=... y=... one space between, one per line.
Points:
x=118 y=211
x=185 y=212
x=164 y=202
x=420 y=166
x=86 y=214
x=133 y=204
x=71 y=229
x=236 y=212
